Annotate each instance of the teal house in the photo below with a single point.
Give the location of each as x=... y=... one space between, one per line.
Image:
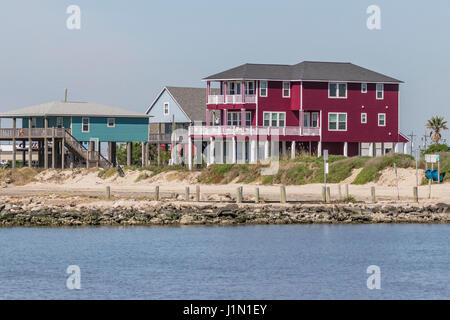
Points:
x=74 y=132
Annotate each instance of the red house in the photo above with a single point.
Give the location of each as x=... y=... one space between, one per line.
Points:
x=309 y=106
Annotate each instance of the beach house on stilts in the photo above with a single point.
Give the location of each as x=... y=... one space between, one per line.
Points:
x=67 y=133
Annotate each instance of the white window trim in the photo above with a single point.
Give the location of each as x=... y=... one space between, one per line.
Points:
x=114 y=122
x=364 y=84
x=382 y=114
x=365 y=118
x=289 y=89
x=337 y=121
x=267 y=89
x=278 y=118
x=382 y=91
x=337 y=90
x=247 y=86
x=229 y=113
x=88 y=124
x=168 y=108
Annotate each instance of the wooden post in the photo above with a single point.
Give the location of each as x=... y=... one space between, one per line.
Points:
x=186 y=194
x=129 y=153
x=14 y=143
x=62 y=153
x=197 y=193
x=256 y=195
x=340 y=192
x=46 y=143
x=108 y=192
x=328 y=194
x=346 y=191
x=372 y=191
x=143 y=154
x=283 y=194
x=429 y=187
x=30 y=144
x=239 y=195
x=157 y=193
x=324 y=194
x=53 y=149
x=416 y=194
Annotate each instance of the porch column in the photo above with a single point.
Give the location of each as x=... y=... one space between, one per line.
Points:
x=62 y=153
x=143 y=154
x=113 y=153
x=292 y=149
x=253 y=150
x=345 y=149
x=54 y=149
x=30 y=144
x=283 y=148
x=371 y=147
x=359 y=149
x=266 y=149
x=208 y=117
x=129 y=153
x=383 y=150
x=405 y=148
x=395 y=147
x=233 y=150
x=212 y=150
x=189 y=153
x=242 y=117
x=225 y=117
x=319 y=149
x=208 y=90
x=46 y=143
x=14 y=143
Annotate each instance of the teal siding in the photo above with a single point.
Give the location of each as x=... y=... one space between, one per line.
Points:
x=125 y=130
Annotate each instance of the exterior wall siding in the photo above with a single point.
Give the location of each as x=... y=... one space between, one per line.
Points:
x=157 y=111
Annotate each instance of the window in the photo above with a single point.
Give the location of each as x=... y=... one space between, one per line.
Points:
x=380 y=91
x=249 y=88
x=337 y=90
x=234 y=118
x=59 y=122
x=274 y=119
x=111 y=122
x=263 y=89
x=85 y=124
x=363 y=87
x=315 y=119
x=166 y=108
x=33 y=122
x=286 y=89
x=311 y=119
x=363 y=117
x=233 y=87
x=382 y=119
x=337 y=122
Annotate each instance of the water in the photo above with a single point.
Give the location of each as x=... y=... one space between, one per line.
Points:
x=248 y=262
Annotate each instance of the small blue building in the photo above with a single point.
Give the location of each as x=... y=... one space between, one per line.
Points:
x=74 y=131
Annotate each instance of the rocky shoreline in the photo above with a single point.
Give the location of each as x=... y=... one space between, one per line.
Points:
x=59 y=211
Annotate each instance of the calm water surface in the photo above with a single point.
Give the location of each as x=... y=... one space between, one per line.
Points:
x=248 y=262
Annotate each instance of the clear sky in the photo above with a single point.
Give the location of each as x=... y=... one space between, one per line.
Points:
x=126 y=51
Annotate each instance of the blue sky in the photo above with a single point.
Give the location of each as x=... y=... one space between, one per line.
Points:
x=126 y=51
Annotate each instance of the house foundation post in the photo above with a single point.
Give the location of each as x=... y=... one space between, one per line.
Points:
x=129 y=153
x=292 y=149
x=345 y=149
x=14 y=143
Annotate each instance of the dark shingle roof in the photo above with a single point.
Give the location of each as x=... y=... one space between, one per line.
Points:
x=307 y=70
x=192 y=101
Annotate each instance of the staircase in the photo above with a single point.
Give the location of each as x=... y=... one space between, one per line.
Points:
x=92 y=158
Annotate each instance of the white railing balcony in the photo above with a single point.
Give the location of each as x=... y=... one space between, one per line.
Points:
x=250 y=131
x=231 y=99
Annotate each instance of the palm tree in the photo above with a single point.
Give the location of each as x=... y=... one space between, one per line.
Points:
x=436 y=125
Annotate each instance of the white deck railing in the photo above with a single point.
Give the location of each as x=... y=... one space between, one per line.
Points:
x=231 y=99
x=250 y=131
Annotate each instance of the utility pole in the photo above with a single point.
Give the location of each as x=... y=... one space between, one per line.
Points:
x=411 y=136
x=425 y=140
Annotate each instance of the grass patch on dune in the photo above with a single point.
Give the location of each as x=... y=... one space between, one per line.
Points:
x=142 y=176
x=107 y=173
x=19 y=176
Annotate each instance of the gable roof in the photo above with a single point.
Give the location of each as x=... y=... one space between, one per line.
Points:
x=192 y=101
x=304 y=71
x=84 y=109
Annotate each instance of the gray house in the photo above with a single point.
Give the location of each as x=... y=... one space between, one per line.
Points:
x=174 y=108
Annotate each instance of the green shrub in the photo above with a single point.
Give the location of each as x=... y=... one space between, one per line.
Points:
x=435 y=148
x=107 y=173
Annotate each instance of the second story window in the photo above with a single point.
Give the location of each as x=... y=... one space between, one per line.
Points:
x=363 y=87
x=274 y=119
x=234 y=118
x=382 y=119
x=166 y=108
x=363 y=117
x=233 y=88
x=380 y=91
x=337 y=121
x=286 y=89
x=85 y=124
x=263 y=88
x=111 y=122
x=337 y=90
x=249 y=88
x=59 y=122
x=33 y=122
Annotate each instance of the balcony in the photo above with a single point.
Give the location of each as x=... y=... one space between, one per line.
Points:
x=231 y=99
x=250 y=131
